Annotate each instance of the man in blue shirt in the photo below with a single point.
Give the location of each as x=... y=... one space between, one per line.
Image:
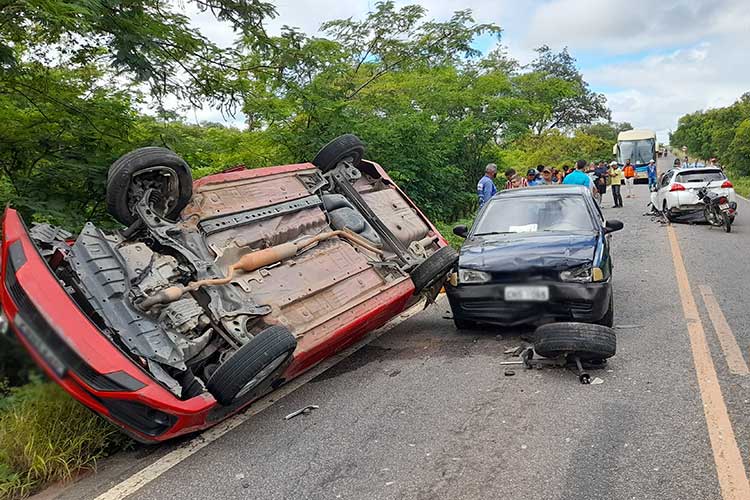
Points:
x=531 y=177
x=651 y=170
x=578 y=176
x=486 y=186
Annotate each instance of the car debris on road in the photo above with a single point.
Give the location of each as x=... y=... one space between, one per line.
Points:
x=302 y=411
x=572 y=345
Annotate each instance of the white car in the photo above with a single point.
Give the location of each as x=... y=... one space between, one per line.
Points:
x=677 y=190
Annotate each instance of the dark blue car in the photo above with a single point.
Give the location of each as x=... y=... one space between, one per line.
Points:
x=535 y=255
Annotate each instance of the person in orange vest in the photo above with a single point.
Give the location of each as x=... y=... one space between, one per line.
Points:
x=629 y=172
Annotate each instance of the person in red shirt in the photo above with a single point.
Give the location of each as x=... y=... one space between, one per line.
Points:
x=514 y=180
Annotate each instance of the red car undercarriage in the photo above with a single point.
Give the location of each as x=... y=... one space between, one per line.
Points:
x=219 y=290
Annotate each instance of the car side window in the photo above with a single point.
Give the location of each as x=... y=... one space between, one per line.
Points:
x=666 y=179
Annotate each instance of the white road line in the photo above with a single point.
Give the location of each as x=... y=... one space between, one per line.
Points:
x=732 y=351
x=162 y=465
x=730 y=468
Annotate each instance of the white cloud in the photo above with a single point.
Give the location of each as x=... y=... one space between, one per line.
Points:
x=631 y=26
x=656 y=90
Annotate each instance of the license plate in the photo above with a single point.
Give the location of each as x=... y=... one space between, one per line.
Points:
x=724 y=206
x=526 y=293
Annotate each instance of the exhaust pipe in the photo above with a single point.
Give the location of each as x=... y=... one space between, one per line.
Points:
x=253 y=261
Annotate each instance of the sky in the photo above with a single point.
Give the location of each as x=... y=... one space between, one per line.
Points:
x=654 y=61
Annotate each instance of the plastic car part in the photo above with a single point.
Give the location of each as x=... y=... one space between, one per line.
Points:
x=345 y=147
x=102 y=278
x=262 y=357
x=148 y=168
x=252 y=261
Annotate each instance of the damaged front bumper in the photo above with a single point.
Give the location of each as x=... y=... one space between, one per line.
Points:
x=485 y=303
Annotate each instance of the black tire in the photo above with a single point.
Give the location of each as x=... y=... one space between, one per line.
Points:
x=344 y=147
x=255 y=362
x=434 y=268
x=587 y=341
x=123 y=194
x=608 y=319
x=727 y=223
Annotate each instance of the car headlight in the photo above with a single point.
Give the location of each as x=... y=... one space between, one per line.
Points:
x=578 y=275
x=469 y=276
x=583 y=274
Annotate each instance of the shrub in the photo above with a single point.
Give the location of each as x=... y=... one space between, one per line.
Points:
x=46 y=436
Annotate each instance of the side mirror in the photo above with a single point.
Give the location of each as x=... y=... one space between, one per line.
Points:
x=612 y=226
x=461 y=231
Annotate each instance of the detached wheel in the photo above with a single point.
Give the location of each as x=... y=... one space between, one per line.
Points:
x=344 y=147
x=148 y=168
x=434 y=268
x=254 y=363
x=588 y=342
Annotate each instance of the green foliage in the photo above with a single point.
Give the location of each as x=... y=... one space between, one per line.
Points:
x=146 y=41
x=558 y=87
x=47 y=436
x=430 y=108
x=446 y=229
x=606 y=130
x=723 y=133
x=555 y=149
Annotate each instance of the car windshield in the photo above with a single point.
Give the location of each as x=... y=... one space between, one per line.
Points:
x=638 y=152
x=531 y=214
x=700 y=176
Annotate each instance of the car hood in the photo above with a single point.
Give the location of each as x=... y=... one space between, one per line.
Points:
x=528 y=251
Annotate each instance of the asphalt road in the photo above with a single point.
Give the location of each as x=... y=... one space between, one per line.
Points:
x=426 y=411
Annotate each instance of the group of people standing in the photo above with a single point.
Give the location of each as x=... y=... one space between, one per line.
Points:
x=598 y=177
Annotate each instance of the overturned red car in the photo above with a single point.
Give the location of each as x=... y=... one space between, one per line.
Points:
x=219 y=290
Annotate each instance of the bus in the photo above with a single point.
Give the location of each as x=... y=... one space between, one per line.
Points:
x=638 y=146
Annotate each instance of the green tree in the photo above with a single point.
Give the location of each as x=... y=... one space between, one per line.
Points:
x=606 y=130
x=569 y=105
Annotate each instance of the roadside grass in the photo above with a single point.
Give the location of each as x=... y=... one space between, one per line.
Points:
x=446 y=229
x=47 y=436
x=741 y=183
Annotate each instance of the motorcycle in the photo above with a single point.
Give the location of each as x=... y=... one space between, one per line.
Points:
x=717 y=209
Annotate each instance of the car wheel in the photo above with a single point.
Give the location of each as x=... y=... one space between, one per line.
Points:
x=264 y=356
x=148 y=168
x=434 y=268
x=345 y=147
x=609 y=317
x=727 y=223
x=587 y=341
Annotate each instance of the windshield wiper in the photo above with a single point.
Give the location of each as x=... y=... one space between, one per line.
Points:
x=495 y=232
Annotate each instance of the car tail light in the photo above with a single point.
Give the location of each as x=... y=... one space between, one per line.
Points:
x=726 y=185
x=677 y=187
x=722 y=200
